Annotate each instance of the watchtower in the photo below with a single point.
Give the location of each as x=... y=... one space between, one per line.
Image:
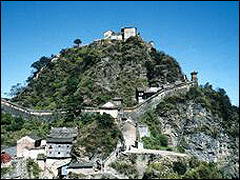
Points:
x=140 y=95
x=117 y=101
x=128 y=32
x=194 y=77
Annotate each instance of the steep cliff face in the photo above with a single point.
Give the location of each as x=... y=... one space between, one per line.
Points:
x=194 y=129
x=99 y=72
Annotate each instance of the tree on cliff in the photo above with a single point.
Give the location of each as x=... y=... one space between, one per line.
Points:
x=78 y=42
x=43 y=61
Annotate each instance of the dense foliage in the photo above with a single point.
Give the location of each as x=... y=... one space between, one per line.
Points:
x=6 y=170
x=157 y=140
x=33 y=168
x=191 y=169
x=13 y=128
x=125 y=168
x=98 y=135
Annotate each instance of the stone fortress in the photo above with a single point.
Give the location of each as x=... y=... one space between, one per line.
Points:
x=126 y=32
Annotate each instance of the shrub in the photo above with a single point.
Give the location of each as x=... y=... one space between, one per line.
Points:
x=98 y=135
x=203 y=171
x=180 y=167
x=125 y=168
x=159 y=142
x=6 y=170
x=33 y=168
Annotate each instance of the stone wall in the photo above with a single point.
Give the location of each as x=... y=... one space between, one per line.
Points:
x=19 y=111
x=151 y=103
x=134 y=112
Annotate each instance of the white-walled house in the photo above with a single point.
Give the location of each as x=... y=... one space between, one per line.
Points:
x=29 y=146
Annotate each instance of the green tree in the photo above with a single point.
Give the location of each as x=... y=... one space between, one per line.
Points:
x=43 y=61
x=105 y=120
x=73 y=107
x=16 y=90
x=78 y=42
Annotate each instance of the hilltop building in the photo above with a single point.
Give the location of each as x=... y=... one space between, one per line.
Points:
x=126 y=32
x=109 y=34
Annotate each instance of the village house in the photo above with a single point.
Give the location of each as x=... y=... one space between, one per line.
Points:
x=109 y=108
x=60 y=141
x=30 y=146
x=12 y=151
x=76 y=168
x=6 y=158
x=58 y=149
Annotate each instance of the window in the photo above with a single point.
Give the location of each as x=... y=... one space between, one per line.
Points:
x=59 y=146
x=50 y=147
x=50 y=152
x=58 y=152
x=67 y=146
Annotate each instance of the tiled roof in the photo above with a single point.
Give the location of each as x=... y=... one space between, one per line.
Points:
x=81 y=165
x=62 y=134
x=34 y=137
x=65 y=130
x=59 y=140
x=11 y=150
x=5 y=157
x=109 y=104
x=140 y=89
x=117 y=99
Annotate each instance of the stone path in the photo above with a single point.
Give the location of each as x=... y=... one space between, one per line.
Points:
x=158 y=152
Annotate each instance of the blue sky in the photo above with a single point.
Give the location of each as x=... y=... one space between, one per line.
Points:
x=201 y=36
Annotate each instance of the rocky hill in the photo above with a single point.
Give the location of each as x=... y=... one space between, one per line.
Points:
x=202 y=123
x=98 y=72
